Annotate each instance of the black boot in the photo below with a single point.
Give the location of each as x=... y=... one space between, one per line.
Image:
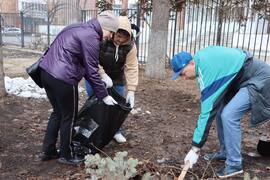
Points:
x=71 y=161
x=48 y=156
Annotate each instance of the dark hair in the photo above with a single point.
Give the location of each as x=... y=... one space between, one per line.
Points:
x=135 y=27
x=123 y=32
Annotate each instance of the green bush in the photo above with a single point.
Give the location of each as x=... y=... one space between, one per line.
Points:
x=118 y=168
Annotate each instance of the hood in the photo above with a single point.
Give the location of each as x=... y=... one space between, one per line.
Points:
x=124 y=24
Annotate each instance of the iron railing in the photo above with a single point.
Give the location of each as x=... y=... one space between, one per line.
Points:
x=198 y=26
x=192 y=28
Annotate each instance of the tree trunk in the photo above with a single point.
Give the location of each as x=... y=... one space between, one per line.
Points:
x=155 y=67
x=2 y=80
x=220 y=22
x=124 y=5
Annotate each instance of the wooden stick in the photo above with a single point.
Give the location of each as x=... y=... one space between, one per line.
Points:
x=184 y=171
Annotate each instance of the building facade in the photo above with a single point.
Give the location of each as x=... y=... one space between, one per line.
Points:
x=9 y=6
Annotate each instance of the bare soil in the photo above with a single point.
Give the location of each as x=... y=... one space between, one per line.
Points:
x=159 y=134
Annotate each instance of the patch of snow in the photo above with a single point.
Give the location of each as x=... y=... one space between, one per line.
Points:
x=25 y=87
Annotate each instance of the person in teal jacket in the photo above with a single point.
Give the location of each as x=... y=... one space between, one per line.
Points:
x=231 y=83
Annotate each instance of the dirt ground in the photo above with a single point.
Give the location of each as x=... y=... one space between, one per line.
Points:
x=159 y=134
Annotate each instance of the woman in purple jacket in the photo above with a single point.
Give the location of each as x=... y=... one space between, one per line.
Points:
x=73 y=54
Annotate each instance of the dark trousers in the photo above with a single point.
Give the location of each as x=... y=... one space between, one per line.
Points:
x=64 y=100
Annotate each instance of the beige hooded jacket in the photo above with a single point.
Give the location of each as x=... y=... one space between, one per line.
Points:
x=131 y=69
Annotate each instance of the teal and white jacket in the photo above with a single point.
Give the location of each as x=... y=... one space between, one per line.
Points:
x=216 y=67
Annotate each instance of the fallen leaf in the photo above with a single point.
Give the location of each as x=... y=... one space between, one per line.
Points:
x=15 y=120
x=23 y=172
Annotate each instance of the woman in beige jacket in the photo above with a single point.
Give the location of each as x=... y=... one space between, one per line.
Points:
x=119 y=65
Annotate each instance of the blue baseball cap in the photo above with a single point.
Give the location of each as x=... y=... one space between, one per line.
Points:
x=178 y=62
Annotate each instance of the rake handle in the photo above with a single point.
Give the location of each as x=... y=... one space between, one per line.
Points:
x=184 y=171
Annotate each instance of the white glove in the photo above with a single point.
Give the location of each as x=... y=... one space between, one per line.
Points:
x=108 y=81
x=192 y=156
x=109 y=100
x=130 y=98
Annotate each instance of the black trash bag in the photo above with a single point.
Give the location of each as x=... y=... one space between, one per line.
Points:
x=97 y=122
x=79 y=149
x=263 y=148
x=84 y=128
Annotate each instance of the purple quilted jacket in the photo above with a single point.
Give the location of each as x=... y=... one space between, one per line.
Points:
x=74 y=54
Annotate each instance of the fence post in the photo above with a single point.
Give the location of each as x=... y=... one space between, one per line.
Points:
x=82 y=15
x=1 y=40
x=22 y=29
x=139 y=25
x=48 y=29
x=174 y=32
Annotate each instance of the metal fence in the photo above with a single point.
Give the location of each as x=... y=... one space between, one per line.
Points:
x=11 y=28
x=36 y=28
x=192 y=28
x=198 y=26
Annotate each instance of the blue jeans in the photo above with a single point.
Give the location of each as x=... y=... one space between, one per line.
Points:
x=119 y=88
x=229 y=126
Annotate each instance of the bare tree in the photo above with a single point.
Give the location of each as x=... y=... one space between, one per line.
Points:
x=124 y=8
x=88 y=4
x=1 y=5
x=84 y=4
x=155 y=67
x=262 y=7
x=53 y=6
x=104 y=4
x=124 y=5
x=2 y=75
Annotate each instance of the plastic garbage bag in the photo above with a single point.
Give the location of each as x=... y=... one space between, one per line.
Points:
x=97 y=123
x=263 y=147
